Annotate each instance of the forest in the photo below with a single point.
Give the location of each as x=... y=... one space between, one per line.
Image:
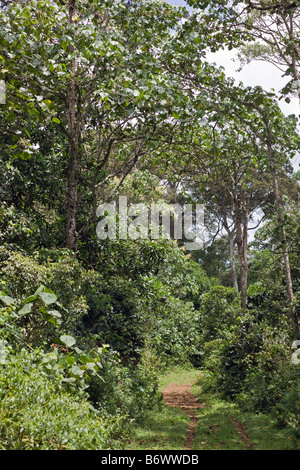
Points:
x=115 y=126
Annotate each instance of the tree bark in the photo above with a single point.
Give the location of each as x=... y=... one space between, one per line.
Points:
x=231 y=254
x=279 y=210
x=71 y=232
x=73 y=136
x=232 y=261
x=241 y=226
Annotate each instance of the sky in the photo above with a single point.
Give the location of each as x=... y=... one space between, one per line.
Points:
x=257 y=73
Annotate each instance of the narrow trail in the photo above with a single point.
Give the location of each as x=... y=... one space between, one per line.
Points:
x=242 y=432
x=180 y=396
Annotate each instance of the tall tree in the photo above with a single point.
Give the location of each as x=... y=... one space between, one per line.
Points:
x=279 y=140
x=263 y=30
x=231 y=185
x=91 y=73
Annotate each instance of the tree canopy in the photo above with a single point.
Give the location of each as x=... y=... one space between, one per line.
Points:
x=114 y=101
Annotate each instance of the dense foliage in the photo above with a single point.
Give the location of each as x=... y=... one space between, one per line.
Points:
x=110 y=99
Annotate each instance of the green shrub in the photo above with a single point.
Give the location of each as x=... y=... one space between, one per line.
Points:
x=38 y=414
x=22 y=274
x=175 y=337
x=251 y=364
x=126 y=390
x=271 y=371
x=115 y=313
x=220 y=306
x=33 y=320
x=186 y=280
x=289 y=409
x=62 y=274
x=211 y=364
x=16 y=227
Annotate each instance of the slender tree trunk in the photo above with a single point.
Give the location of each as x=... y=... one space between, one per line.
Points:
x=71 y=232
x=279 y=209
x=241 y=225
x=231 y=254
x=284 y=244
x=73 y=135
x=294 y=44
x=232 y=260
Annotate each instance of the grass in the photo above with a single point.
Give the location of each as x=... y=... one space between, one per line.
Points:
x=179 y=375
x=216 y=429
x=165 y=428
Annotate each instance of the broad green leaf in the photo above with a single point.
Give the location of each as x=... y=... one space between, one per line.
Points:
x=69 y=380
x=77 y=371
x=29 y=299
x=70 y=360
x=7 y=299
x=68 y=340
x=48 y=298
x=39 y=290
x=54 y=313
x=26 y=309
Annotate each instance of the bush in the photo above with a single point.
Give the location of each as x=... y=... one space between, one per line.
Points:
x=38 y=414
x=271 y=371
x=289 y=409
x=115 y=314
x=15 y=226
x=126 y=390
x=220 y=307
x=175 y=339
x=62 y=274
x=119 y=393
x=250 y=363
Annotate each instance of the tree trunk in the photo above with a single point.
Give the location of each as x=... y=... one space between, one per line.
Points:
x=241 y=226
x=231 y=253
x=73 y=135
x=232 y=260
x=71 y=232
x=279 y=209
x=288 y=276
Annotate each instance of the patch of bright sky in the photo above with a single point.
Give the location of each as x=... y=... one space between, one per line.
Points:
x=257 y=73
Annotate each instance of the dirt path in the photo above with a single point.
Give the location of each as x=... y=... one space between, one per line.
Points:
x=180 y=396
x=242 y=432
